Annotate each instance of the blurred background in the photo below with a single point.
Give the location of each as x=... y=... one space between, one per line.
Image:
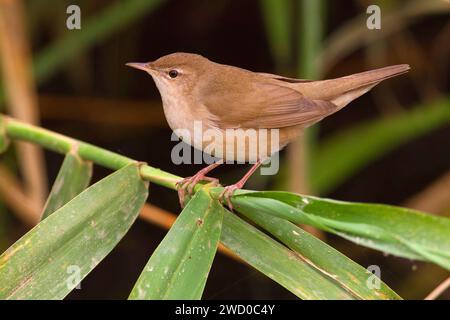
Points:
x=390 y=146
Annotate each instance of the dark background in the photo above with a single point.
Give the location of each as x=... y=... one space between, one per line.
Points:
x=234 y=32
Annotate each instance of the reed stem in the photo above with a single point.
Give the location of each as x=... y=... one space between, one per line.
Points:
x=17 y=130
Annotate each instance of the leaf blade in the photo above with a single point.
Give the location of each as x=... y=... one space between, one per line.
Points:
x=277 y=17
x=352 y=149
x=399 y=231
x=179 y=267
x=327 y=260
x=79 y=234
x=277 y=261
x=73 y=177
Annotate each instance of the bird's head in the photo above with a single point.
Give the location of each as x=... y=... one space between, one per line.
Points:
x=175 y=73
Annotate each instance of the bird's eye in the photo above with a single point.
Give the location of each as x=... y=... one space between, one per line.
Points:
x=173 y=73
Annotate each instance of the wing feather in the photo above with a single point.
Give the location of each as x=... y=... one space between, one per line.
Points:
x=266 y=103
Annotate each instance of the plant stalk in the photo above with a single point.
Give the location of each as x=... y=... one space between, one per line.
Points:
x=17 y=130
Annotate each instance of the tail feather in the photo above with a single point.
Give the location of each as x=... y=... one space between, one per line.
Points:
x=342 y=90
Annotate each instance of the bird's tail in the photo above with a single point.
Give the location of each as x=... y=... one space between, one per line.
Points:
x=342 y=90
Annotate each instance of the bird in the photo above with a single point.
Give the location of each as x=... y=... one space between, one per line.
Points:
x=224 y=98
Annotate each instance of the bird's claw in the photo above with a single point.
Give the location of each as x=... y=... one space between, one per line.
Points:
x=227 y=193
x=188 y=184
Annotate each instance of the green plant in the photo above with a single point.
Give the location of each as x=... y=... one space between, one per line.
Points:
x=356 y=147
x=82 y=225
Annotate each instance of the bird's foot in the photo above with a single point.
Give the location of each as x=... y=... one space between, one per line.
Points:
x=187 y=185
x=228 y=191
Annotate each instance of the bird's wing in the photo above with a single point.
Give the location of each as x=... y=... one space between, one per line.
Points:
x=264 y=104
x=281 y=78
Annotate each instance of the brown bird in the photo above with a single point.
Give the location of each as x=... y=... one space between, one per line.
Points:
x=226 y=98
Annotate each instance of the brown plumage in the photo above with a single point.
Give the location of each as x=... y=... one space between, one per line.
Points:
x=226 y=97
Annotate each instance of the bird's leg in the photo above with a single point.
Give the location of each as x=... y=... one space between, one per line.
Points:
x=190 y=182
x=229 y=190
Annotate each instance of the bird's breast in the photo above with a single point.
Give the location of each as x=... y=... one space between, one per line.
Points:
x=191 y=123
x=178 y=113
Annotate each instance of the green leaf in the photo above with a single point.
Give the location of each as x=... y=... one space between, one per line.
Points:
x=180 y=265
x=95 y=29
x=53 y=257
x=324 y=258
x=399 y=231
x=73 y=177
x=277 y=16
x=278 y=262
x=310 y=35
x=348 y=151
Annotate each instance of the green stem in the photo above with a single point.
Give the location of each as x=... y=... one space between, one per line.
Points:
x=310 y=40
x=310 y=37
x=56 y=142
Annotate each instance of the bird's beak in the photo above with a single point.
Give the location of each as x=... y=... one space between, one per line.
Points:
x=145 y=66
